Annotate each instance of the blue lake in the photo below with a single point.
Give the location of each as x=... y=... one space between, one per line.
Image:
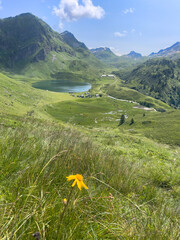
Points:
x=62 y=86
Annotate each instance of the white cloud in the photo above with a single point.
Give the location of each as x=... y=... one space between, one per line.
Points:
x=128 y=10
x=71 y=10
x=121 y=34
x=0 y=4
x=133 y=30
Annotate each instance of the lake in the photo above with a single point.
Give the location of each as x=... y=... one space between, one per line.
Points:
x=62 y=86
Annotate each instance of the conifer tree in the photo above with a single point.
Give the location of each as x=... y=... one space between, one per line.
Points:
x=132 y=121
x=122 y=120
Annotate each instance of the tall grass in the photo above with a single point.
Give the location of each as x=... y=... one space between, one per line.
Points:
x=120 y=203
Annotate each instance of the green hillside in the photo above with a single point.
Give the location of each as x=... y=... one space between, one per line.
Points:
x=25 y=39
x=158 y=78
x=105 y=55
x=133 y=181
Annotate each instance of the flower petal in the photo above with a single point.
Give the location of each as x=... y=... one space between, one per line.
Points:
x=79 y=185
x=71 y=177
x=74 y=183
x=83 y=185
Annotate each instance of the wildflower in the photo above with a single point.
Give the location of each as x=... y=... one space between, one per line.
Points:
x=78 y=178
x=65 y=201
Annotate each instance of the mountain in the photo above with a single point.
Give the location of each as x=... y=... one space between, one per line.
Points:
x=158 y=78
x=104 y=54
x=29 y=45
x=134 y=55
x=26 y=38
x=72 y=41
x=174 y=49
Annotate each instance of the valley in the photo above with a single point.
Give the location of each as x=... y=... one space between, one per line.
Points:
x=47 y=133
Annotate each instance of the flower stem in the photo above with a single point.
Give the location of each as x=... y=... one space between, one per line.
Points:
x=64 y=210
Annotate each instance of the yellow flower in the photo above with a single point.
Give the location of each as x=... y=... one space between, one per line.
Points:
x=65 y=201
x=78 y=178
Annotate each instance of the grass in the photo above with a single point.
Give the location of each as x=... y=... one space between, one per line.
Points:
x=133 y=180
x=87 y=66
x=19 y=98
x=106 y=112
x=117 y=91
x=122 y=202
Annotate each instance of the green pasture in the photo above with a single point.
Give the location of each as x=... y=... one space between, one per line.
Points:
x=106 y=112
x=132 y=171
x=133 y=183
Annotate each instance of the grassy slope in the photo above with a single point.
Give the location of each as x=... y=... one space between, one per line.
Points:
x=63 y=62
x=133 y=188
x=142 y=175
x=158 y=78
x=106 y=112
x=18 y=97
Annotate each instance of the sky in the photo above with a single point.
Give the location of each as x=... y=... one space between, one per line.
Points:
x=143 y=26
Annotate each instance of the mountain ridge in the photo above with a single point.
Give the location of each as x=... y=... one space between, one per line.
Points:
x=174 y=49
x=26 y=40
x=70 y=39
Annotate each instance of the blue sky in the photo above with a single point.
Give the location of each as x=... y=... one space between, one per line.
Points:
x=123 y=25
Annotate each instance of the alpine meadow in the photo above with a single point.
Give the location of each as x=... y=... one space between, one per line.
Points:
x=89 y=138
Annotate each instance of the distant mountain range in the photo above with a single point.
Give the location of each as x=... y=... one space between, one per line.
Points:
x=26 y=39
x=174 y=49
x=105 y=52
x=29 y=46
x=105 y=55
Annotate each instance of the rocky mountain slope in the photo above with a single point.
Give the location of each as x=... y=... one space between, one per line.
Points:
x=27 y=40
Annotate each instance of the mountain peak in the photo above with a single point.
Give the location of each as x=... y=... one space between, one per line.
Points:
x=26 y=14
x=105 y=54
x=134 y=54
x=101 y=50
x=70 y=39
x=26 y=38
